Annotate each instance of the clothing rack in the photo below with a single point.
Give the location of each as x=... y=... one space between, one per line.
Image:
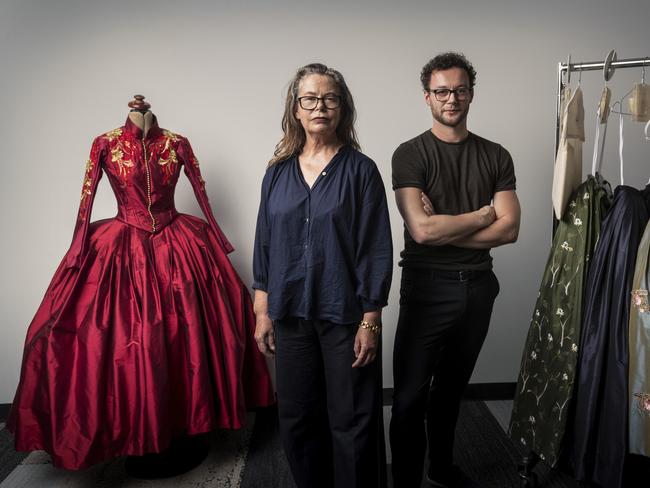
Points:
x=608 y=66
x=527 y=477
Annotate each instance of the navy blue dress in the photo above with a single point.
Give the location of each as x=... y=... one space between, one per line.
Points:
x=599 y=443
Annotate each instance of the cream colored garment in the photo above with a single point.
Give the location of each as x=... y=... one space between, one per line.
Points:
x=639 y=367
x=567 y=174
x=639 y=102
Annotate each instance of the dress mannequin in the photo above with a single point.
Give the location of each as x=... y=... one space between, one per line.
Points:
x=186 y=452
x=143 y=343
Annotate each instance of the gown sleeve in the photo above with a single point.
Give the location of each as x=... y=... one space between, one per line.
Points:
x=93 y=174
x=191 y=168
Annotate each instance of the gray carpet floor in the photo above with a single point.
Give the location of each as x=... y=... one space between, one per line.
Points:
x=482 y=450
x=253 y=458
x=223 y=467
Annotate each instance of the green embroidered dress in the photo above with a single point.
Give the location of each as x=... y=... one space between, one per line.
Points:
x=545 y=384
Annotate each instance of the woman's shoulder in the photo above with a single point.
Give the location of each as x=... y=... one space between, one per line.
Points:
x=280 y=165
x=361 y=161
x=274 y=171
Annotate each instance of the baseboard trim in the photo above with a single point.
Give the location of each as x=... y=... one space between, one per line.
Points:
x=474 y=391
x=4 y=411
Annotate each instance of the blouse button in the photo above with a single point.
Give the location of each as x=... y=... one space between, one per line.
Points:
x=324 y=173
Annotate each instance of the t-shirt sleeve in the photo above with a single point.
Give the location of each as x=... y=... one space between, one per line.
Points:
x=408 y=168
x=505 y=172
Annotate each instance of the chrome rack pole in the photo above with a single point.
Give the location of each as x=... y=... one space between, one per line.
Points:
x=599 y=65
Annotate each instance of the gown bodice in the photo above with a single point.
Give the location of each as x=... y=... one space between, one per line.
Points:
x=143 y=170
x=143 y=173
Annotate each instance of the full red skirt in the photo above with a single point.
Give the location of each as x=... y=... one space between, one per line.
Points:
x=149 y=338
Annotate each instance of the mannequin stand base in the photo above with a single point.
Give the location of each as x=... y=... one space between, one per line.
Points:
x=184 y=454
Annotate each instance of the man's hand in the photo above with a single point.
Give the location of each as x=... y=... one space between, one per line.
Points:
x=430 y=228
x=503 y=230
x=487 y=214
x=427 y=205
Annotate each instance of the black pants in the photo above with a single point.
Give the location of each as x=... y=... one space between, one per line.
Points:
x=330 y=413
x=443 y=320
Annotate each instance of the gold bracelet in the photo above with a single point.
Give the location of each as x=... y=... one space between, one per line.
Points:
x=376 y=328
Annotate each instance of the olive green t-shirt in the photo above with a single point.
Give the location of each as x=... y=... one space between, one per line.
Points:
x=458 y=178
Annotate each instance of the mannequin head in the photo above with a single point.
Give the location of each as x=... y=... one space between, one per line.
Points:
x=140 y=114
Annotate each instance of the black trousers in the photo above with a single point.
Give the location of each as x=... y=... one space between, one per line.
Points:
x=443 y=320
x=331 y=421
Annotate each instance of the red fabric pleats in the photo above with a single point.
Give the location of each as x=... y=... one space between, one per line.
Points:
x=151 y=336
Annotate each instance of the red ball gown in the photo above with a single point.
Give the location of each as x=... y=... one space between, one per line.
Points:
x=146 y=330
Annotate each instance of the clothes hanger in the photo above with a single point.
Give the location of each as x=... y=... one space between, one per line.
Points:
x=646 y=131
x=565 y=92
x=639 y=102
x=633 y=89
x=602 y=113
x=608 y=69
x=579 y=75
x=636 y=115
x=608 y=72
x=567 y=73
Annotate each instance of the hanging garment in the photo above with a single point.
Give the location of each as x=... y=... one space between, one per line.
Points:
x=146 y=330
x=545 y=383
x=639 y=337
x=600 y=429
x=567 y=172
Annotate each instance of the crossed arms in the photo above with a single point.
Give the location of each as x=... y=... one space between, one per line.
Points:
x=488 y=227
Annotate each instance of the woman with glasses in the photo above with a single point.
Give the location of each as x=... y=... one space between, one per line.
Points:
x=322 y=271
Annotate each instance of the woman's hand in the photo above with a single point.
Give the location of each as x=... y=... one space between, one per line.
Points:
x=366 y=341
x=263 y=324
x=264 y=335
x=365 y=347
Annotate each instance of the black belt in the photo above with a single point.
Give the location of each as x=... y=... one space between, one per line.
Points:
x=446 y=274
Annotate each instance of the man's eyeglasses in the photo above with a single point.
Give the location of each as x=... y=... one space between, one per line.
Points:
x=442 y=94
x=329 y=101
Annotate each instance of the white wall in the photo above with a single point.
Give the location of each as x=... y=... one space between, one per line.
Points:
x=217 y=71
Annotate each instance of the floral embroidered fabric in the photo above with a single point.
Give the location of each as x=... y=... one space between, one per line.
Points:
x=547 y=374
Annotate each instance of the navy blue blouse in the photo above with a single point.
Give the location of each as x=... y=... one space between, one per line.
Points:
x=324 y=253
